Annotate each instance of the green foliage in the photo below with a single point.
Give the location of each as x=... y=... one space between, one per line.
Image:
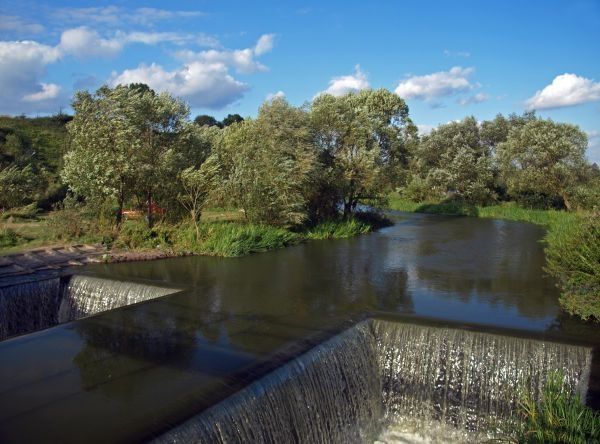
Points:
x=453 y=208
x=545 y=157
x=8 y=238
x=30 y=211
x=137 y=235
x=338 y=229
x=18 y=186
x=558 y=417
x=452 y=161
x=69 y=220
x=362 y=142
x=233 y=239
x=573 y=258
x=267 y=165
x=206 y=120
x=230 y=119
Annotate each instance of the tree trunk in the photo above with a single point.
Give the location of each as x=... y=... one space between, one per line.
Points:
x=196 y=219
x=121 y=200
x=566 y=202
x=149 y=211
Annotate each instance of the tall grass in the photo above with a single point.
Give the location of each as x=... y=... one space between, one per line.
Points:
x=338 y=229
x=234 y=239
x=558 y=417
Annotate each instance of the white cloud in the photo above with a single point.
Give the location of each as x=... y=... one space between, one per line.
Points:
x=205 y=85
x=18 y=25
x=115 y=15
x=276 y=95
x=243 y=60
x=477 y=98
x=49 y=91
x=22 y=65
x=436 y=85
x=339 y=86
x=85 y=42
x=265 y=44
x=425 y=129
x=565 y=90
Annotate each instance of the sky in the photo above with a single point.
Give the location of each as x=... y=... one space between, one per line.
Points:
x=448 y=60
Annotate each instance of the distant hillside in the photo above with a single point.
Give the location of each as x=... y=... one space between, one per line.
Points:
x=37 y=145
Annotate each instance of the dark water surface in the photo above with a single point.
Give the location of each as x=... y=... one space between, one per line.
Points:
x=134 y=372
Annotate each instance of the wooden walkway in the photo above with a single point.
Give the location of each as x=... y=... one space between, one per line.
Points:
x=46 y=261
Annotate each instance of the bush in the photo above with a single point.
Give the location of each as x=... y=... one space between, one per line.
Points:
x=453 y=208
x=8 y=238
x=573 y=258
x=68 y=220
x=137 y=234
x=559 y=416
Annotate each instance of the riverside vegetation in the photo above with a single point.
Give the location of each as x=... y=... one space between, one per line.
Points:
x=131 y=170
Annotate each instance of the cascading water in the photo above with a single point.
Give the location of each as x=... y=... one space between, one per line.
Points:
x=389 y=381
x=462 y=383
x=330 y=394
x=32 y=306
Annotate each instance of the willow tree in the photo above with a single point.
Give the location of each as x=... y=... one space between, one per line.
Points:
x=453 y=160
x=268 y=164
x=123 y=144
x=544 y=157
x=362 y=140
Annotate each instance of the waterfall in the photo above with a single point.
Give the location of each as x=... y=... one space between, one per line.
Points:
x=329 y=394
x=393 y=381
x=465 y=382
x=29 y=307
x=85 y=296
x=32 y=306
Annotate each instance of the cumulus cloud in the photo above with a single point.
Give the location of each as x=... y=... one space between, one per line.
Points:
x=49 y=91
x=477 y=98
x=206 y=85
x=265 y=44
x=22 y=65
x=277 y=95
x=565 y=90
x=243 y=60
x=425 y=128
x=339 y=86
x=85 y=42
x=436 y=85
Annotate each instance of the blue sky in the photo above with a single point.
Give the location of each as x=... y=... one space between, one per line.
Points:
x=447 y=59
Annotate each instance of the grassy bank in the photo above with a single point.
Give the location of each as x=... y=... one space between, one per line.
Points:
x=572 y=245
x=221 y=233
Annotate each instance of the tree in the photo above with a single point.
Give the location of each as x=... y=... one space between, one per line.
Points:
x=18 y=186
x=452 y=161
x=196 y=185
x=231 y=119
x=206 y=120
x=268 y=164
x=124 y=144
x=545 y=157
x=362 y=143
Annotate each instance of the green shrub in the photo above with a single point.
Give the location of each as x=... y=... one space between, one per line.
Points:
x=453 y=208
x=136 y=234
x=558 y=417
x=8 y=238
x=573 y=258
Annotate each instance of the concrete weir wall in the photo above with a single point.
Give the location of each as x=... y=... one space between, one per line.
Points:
x=380 y=378
x=31 y=306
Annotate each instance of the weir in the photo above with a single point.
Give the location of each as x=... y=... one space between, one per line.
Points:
x=392 y=381
x=35 y=305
